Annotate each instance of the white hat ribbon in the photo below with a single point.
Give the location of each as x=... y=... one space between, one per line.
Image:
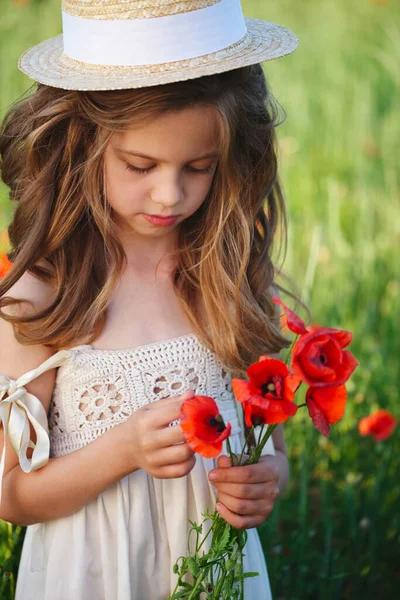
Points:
x=134 y=42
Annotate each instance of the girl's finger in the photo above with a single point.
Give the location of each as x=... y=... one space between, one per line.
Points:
x=187 y=394
x=250 y=491
x=173 y=455
x=177 y=470
x=239 y=521
x=165 y=413
x=167 y=436
x=241 y=506
x=258 y=473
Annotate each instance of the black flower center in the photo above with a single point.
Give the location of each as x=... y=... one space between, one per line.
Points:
x=268 y=388
x=323 y=359
x=217 y=423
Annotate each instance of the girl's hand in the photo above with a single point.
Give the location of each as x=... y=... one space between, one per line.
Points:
x=246 y=495
x=154 y=446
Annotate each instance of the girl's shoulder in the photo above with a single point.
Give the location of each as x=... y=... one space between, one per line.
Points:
x=16 y=358
x=36 y=294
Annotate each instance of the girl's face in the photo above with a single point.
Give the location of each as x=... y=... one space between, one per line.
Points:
x=162 y=169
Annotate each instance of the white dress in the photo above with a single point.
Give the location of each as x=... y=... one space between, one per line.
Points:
x=123 y=545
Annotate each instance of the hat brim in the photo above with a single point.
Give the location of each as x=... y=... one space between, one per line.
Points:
x=47 y=63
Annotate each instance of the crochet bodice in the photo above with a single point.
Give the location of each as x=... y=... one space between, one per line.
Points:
x=97 y=389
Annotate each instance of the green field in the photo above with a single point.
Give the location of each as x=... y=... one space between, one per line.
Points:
x=336 y=532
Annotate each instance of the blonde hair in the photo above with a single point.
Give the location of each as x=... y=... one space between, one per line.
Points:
x=52 y=145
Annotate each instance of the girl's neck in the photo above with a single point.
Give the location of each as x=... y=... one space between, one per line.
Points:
x=145 y=253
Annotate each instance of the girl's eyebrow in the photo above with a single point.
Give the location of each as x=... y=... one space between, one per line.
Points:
x=139 y=154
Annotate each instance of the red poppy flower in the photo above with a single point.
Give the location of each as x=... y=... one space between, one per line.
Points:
x=318 y=357
x=326 y=405
x=254 y=414
x=5 y=265
x=271 y=388
x=203 y=427
x=379 y=425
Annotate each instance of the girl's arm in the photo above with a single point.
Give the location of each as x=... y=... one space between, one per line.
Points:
x=67 y=483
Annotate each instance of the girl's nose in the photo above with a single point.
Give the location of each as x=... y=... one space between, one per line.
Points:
x=168 y=191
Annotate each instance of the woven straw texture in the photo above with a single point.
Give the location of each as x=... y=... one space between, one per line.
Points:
x=47 y=64
x=133 y=9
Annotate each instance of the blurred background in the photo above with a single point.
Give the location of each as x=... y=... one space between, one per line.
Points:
x=336 y=531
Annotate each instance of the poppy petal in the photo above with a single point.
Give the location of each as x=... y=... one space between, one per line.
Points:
x=294 y=322
x=311 y=363
x=318 y=418
x=241 y=389
x=348 y=366
x=262 y=370
x=274 y=410
x=331 y=400
x=254 y=414
x=290 y=408
x=343 y=337
x=292 y=383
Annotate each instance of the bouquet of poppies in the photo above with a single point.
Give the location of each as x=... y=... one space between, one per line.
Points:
x=316 y=359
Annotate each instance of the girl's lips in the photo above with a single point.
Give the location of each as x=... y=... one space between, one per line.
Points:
x=160 y=221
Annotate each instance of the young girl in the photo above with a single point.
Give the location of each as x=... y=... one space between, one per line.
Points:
x=145 y=175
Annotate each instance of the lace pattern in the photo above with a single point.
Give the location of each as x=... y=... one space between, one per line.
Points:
x=98 y=389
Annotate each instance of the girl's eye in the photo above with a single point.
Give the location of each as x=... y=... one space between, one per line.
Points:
x=134 y=169
x=204 y=171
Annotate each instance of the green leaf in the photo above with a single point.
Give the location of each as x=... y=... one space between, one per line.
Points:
x=186 y=585
x=193 y=566
x=180 y=594
x=224 y=540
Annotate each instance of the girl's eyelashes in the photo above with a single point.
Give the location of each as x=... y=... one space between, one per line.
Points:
x=134 y=169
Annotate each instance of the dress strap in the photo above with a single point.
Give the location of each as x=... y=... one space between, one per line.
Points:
x=19 y=409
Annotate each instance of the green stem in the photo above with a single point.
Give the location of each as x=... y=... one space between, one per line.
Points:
x=215 y=523
x=251 y=432
x=188 y=540
x=175 y=590
x=177 y=585
x=220 y=584
x=196 y=587
x=233 y=456
x=241 y=576
x=260 y=436
x=255 y=456
x=290 y=349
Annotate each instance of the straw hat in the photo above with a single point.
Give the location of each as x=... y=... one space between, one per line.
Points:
x=120 y=44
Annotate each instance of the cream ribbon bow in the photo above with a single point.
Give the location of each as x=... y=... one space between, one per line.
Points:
x=19 y=409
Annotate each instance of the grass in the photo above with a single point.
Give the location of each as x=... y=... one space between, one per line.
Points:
x=335 y=534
